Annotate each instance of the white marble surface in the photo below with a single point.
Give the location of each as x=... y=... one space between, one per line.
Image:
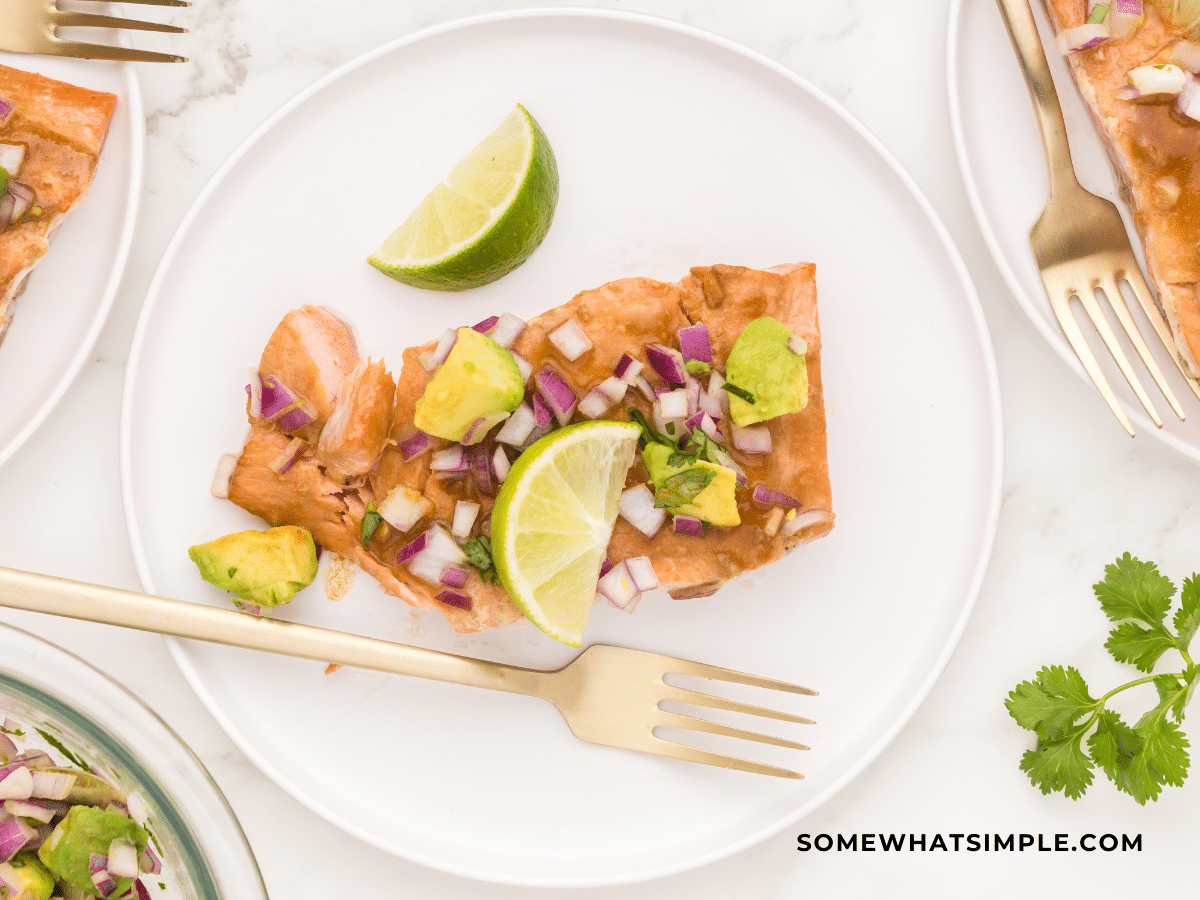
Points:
x=1077 y=492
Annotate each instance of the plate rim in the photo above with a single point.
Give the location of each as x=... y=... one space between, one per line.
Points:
x=1028 y=305
x=994 y=475
x=137 y=134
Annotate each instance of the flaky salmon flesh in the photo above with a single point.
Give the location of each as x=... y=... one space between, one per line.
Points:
x=370 y=412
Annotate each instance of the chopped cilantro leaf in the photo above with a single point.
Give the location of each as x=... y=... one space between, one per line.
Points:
x=370 y=522
x=479 y=554
x=738 y=392
x=683 y=487
x=61 y=748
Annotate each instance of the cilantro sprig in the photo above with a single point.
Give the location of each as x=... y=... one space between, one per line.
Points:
x=479 y=554
x=1077 y=734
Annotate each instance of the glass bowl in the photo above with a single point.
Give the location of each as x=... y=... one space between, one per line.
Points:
x=55 y=696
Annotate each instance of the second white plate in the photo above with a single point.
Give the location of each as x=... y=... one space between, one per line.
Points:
x=675 y=148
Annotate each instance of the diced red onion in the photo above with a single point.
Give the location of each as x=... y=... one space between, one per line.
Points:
x=689 y=525
x=752 y=439
x=1081 y=37
x=414 y=444
x=224 y=474
x=481 y=468
x=1124 y=17
x=1127 y=92
x=17 y=784
x=500 y=465
x=805 y=519
x=97 y=862
x=524 y=366
x=51 y=787
x=291 y=455
x=6 y=110
x=508 y=328
x=12 y=157
x=694 y=421
x=614 y=388
x=454 y=598
x=517 y=426
x=556 y=392
x=570 y=340
x=644 y=385
x=436 y=551
x=23 y=198
x=105 y=883
x=455 y=576
x=480 y=427
x=605 y=565
x=465 y=513
x=770 y=497
x=404 y=507
x=122 y=859
x=1188 y=101
x=486 y=325
x=143 y=892
x=641 y=570
x=33 y=759
x=297 y=417
x=542 y=413
x=667 y=362
x=628 y=368
x=254 y=388
x=594 y=404
x=637 y=508
x=694 y=343
x=149 y=861
x=617 y=586
x=673 y=405
x=444 y=346
x=250 y=609
x=15 y=833
x=8 y=204
x=29 y=809
x=413 y=547
x=453 y=460
x=797 y=345
x=276 y=397
x=534 y=436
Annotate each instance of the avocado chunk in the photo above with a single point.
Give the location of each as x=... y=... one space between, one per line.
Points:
x=86 y=830
x=26 y=877
x=696 y=488
x=262 y=567
x=761 y=364
x=478 y=380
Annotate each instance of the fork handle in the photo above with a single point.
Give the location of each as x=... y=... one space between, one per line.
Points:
x=130 y=609
x=1022 y=31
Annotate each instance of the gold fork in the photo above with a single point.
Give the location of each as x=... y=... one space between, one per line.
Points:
x=1080 y=244
x=31 y=26
x=608 y=695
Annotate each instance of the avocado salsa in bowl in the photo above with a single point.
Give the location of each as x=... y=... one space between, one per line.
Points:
x=132 y=812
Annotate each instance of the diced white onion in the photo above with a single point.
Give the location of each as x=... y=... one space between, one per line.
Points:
x=465 y=513
x=614 y=388
x=594 y=404
x=798 y=345
x=404 y=507
x=618 y=586
x=752 y=439
x=570 y=340
x=1159 y=79
x=12 y=157
x=500 y=465
x=637 y=508
x=673 y=404
x=805 y=519
x=641 y=570
x=224 y=474
x=524 y=366
x=507 y=329
x=444 y=346
x=518 y=426
x=439 y=552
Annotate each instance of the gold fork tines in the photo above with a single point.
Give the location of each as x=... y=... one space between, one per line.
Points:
x=608 y=695
x=1080 y=244
x=31 y=26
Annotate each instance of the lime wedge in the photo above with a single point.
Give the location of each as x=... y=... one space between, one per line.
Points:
x=490 y=214
x=553 y=519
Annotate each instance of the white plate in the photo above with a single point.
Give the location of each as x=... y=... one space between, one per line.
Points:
x=1004 y=167
x=675 y=148
x=70 y=293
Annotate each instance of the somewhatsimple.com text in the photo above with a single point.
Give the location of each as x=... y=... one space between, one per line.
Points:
x=970 y=843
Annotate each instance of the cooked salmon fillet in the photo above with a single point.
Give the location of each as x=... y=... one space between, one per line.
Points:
x=619 y=317
x=63 y=128
x=1155 y=153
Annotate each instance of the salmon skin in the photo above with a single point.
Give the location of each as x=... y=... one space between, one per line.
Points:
x=330 y=489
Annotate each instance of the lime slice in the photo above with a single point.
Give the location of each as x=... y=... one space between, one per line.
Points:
x=553 y=519
x=490 y=214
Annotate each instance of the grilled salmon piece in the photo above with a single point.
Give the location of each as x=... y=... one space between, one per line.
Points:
x=618 y=318
x=62 y=128
x=1155 y=153
x=359 y=425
